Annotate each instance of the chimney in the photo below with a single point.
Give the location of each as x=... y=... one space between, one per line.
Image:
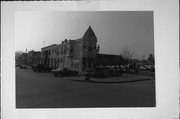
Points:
x=65 y=40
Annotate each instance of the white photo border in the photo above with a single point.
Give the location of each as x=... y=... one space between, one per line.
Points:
x=166 y=40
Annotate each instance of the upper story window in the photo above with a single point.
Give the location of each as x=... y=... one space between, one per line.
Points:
x=64 y=50
x=90 y=49
x=57 y=51
x=84 y=59
x=85 y=47
x=61 y=50
x=94 y=47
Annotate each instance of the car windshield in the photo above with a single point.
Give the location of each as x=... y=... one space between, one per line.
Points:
x=58 y=69
x=66 y=69
x=40 y=65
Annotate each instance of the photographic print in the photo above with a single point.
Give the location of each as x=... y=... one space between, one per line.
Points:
x=84 y=59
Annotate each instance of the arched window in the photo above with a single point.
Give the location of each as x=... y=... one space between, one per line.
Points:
x=51 y=62
x=71 y=64
x=90 y=49
x=58 y=62
x=89 y=64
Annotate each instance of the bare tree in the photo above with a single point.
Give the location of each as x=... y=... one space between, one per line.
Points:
x=127 y=55
x=150 y=59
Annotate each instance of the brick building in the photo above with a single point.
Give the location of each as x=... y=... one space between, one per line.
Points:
x=79 y=54
x=109 y=60
x=33 y=57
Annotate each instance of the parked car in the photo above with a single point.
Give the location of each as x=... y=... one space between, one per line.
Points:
x=150 y=68
x=17 y=65
x=23 y=66
x=64 y=72
x=41 y=68
x=89 y=73
x=99 y=73
x=142 y=68
x=56 y=70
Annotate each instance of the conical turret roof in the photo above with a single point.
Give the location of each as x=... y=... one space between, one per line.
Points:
x=89 y=33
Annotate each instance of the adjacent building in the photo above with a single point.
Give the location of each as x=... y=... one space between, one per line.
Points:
x=109 y=60
x=33 y=57
x=22 y=59
x=30 y=58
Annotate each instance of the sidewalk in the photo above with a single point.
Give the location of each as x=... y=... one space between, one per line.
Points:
x=123 y=79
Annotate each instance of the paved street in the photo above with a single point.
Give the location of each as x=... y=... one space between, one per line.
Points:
x=43 y=90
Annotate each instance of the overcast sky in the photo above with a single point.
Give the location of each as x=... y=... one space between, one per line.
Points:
x=115 y=30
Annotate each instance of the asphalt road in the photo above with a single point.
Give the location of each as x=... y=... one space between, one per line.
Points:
x=43 y=90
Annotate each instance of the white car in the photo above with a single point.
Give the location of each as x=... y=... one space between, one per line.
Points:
x=142 y=68
x=56 y=70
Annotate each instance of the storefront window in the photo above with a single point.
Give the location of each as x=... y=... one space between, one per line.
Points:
x=90 y=49
x=84 y=64
x=71 y=64
x=89 y=64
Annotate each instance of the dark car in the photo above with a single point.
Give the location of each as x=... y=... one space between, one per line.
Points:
x=41 y=68
x=17 y=65
x=54 y=71
x=22 y=66
x=98 y=73
x=64 y=72
x=150 y=68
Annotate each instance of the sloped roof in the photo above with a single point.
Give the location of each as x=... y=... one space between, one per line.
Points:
x=89 y=33
x=107 y=59
x=49 y=46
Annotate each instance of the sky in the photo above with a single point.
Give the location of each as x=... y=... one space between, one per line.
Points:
x=115 y=30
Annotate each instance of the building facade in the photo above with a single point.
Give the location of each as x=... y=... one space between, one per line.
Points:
x=22 y=59
x=109 y=60
x=79 y=54
x=33 y=57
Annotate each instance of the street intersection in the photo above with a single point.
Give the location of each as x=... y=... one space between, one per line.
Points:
x=43 y=90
